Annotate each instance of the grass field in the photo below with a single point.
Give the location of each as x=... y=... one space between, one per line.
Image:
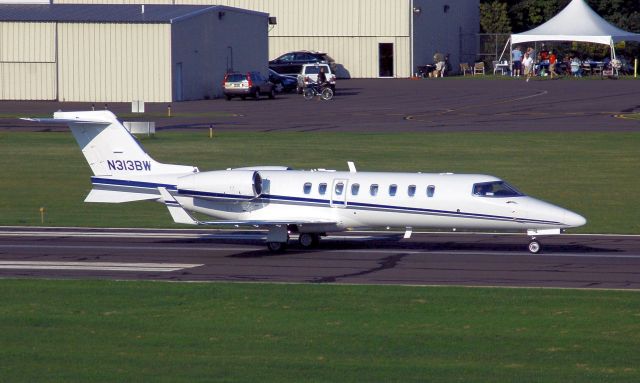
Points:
x=89 y=331
x=594 y=174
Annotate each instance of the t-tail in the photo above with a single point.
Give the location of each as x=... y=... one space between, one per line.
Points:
x=122 y=170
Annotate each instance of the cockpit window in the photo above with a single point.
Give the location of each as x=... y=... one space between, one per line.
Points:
x=495 y=189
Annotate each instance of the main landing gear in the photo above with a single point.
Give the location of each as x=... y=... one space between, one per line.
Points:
x=277 y=247
x=309 y=240
x=278 y=238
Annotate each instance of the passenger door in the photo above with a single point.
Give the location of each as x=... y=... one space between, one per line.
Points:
x=339 y=193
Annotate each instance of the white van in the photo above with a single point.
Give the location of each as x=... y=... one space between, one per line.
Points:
x=309 y=74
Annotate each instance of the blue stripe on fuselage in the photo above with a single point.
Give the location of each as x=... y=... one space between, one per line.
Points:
x=136 y=184
x=315 y=201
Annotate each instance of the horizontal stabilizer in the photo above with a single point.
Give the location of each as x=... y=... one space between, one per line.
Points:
x=66 y=121
x=112 y=196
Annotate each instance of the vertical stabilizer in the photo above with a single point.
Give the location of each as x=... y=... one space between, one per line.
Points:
x=109 y=148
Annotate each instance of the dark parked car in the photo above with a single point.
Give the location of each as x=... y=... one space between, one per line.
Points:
x=283 y=83
x=237 y=84
x=291 y=63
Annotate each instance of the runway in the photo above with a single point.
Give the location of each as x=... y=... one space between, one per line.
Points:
x=568 y=261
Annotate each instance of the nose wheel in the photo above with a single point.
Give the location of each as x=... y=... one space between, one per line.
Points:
x=534 y=246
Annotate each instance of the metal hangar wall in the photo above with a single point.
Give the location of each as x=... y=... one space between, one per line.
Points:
x=121 y=53
x=368 y=38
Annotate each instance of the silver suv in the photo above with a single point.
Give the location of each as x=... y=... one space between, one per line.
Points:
x=237 y=84
x=309 y=74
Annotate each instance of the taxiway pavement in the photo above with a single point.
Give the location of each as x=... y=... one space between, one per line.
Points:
x=401 y=105
x=570 y=261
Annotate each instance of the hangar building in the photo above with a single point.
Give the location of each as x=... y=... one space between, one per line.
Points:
x=122 y=53
x=368 y=38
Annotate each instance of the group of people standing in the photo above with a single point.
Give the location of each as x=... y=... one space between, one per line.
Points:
x=547 y=59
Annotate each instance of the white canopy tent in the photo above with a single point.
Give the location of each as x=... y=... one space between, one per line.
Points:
x=576 y=22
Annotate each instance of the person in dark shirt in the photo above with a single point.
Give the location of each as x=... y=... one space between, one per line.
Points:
x=322 y=78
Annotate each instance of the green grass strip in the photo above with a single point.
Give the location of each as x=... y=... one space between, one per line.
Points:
x=594 y=174
x=98 y=331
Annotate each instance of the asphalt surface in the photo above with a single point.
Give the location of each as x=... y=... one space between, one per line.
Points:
x=376 y=105
x=571 y=261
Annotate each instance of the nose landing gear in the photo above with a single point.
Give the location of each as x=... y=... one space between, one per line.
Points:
x=534 y=246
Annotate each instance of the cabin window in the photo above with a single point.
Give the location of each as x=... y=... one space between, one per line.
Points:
x=431 y=190
x=322 y=188
x=393 y=189
x=411 y=190
x=307 y=188
x=339 y=188
x=355 y=188
x=373 y=190
x=495 y=189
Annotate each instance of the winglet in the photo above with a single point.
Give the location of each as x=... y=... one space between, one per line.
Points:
x=178 y=213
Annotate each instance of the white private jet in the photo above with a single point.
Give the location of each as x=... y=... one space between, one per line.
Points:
x=310 y=203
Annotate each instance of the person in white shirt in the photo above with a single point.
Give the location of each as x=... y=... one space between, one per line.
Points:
x=528 y=66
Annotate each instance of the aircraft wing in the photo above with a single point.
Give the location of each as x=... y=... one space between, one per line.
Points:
x=181 y=215
x=267 y=222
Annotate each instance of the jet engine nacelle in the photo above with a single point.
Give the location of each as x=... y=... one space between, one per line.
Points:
x=223 y=183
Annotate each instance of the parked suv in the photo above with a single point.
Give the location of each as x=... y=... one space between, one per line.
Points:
x=309 y=74
x=291 y=63
x=237 y=84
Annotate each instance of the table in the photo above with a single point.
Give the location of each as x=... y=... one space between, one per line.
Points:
x=502 y=67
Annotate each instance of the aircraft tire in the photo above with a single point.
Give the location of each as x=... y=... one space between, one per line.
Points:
x=277 y=247
x=535 y=247
x=309 y=240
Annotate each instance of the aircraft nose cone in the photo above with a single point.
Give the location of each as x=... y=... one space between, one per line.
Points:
x=574 y=220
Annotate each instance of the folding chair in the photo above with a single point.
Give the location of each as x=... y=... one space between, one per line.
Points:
x=464 y=68
x=478 y=68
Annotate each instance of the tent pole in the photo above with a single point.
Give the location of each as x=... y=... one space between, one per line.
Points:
x=510 y=55
x=613 y=50
x=505 y=48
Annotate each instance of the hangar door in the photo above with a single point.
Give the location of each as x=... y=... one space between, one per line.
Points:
x=27 y=61
x=385 y=59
